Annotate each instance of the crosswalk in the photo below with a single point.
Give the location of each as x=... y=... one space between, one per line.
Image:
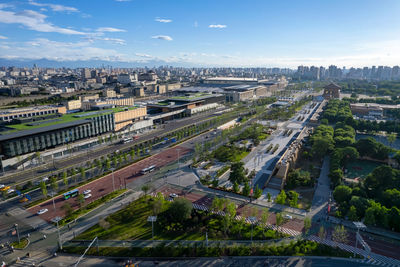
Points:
x=247 y=220
x=370 y=258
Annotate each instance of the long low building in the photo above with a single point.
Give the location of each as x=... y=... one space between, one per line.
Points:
x=7 y=115
x=30 y=137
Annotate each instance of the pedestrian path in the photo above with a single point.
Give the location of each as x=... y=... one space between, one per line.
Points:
x=370 y=258
x=247 y=220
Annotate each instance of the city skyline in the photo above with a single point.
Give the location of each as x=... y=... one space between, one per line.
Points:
x=203 y=34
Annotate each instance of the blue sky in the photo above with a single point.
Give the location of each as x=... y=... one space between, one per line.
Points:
x=204 y=32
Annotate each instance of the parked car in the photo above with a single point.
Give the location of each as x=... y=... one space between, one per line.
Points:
x=24 y=199
x=287 y=216
x=1 y=186
x=42 y=211
x=9 y=191
x=4 y=188
x=87 y=196
x=87 y=191
x=173 y=195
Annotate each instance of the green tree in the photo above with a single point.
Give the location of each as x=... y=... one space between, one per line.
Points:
x=281 y=198
x=342 y=194
x=321 y=232
x=269 y=196
x=67 y=208
x=132 y=153
x=65 y=178
x=81 y=200
x=257 y=192
x=43 y=187
x=230 y=213
x=307 y=224
x=235 y=187
x=279 y=219
x=352 y=214
x=339 y=234
x=293 y=198
x=180 y=210
x=237 y=173
x=54 y=184
x=246 y=189
x=391 y=137
x=264 y=218
x=108 y=164
x=336 y=176
x=145 y=188
x=83 y=173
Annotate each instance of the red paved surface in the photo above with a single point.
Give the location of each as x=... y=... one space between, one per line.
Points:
x=104 y=186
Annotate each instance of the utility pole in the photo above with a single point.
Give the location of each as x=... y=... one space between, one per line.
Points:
x=16 y=229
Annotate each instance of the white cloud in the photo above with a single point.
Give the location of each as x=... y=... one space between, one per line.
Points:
x=3 y=37
x=61 y=51
x=112 y=40
x=54 y=7
x=143 y=55
x=109 y=29
x=34 y=21
x=163 y=20
x=217 y=26
x=162 y=37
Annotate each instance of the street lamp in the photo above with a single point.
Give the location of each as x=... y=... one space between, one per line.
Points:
x=152 y=219
x=16 y=229
x=112 y=171
x=52 y=197
x=1 y=161
x=56 y=220
x=252 y=219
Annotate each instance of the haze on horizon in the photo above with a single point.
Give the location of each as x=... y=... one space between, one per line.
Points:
x=252 y=33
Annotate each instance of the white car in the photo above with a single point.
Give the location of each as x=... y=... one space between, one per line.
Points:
x=42 y=211
x=287 y=216
x=87 y=191
x=9 y=191
x=87 y=196
x=1 y=186
x=173 y=195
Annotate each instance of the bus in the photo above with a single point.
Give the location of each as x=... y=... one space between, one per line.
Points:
x=126 y=140
x=72 y=193
x=148 y=169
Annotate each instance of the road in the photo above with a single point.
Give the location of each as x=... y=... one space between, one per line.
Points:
x=30 y=174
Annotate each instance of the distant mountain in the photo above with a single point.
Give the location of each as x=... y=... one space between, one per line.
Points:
x=46 y=63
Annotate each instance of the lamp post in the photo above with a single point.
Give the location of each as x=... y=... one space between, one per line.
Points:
x=1 y=161
x=178 y=149
x=16 y=229
x=56 y=220
x=112 y=171
x=52 y=197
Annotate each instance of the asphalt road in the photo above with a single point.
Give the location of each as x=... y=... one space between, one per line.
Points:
x=30 y=174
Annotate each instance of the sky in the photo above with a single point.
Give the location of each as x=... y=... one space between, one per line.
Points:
x=251 y=33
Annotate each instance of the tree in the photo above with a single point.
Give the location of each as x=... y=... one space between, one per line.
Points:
x=108 y=164
x=230 y=213
x=235 y=187
x=339 y=234
x=281 y=198
x=257 y=192
x=321 y=232
x=307 y=224
x=65 y=178
x=391 y=137
x=83 y=173
x=237 y=173
x=269 y=196
x=246 y=189
x=54 y=184
x=293 y=198
x=352 y=214
x=217 y=204
x=67 y=208
x=145 y=188
x=336 y=176
x=180 y=210
x=81 y=200
x=132 y=153
x=342 y=193
x=279 y=219
x=264 y=218
x=43 y=187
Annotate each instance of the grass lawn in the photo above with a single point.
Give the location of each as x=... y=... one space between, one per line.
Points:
x=360 y=168
x=307 y=195
x=20 y=245
x=131 y=223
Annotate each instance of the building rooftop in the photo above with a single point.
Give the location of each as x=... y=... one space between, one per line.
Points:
x=25 y=109
x=238 y=79
x=66 y=118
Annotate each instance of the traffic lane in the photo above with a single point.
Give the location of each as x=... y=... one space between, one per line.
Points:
x=104 y=185
x=79 y=159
